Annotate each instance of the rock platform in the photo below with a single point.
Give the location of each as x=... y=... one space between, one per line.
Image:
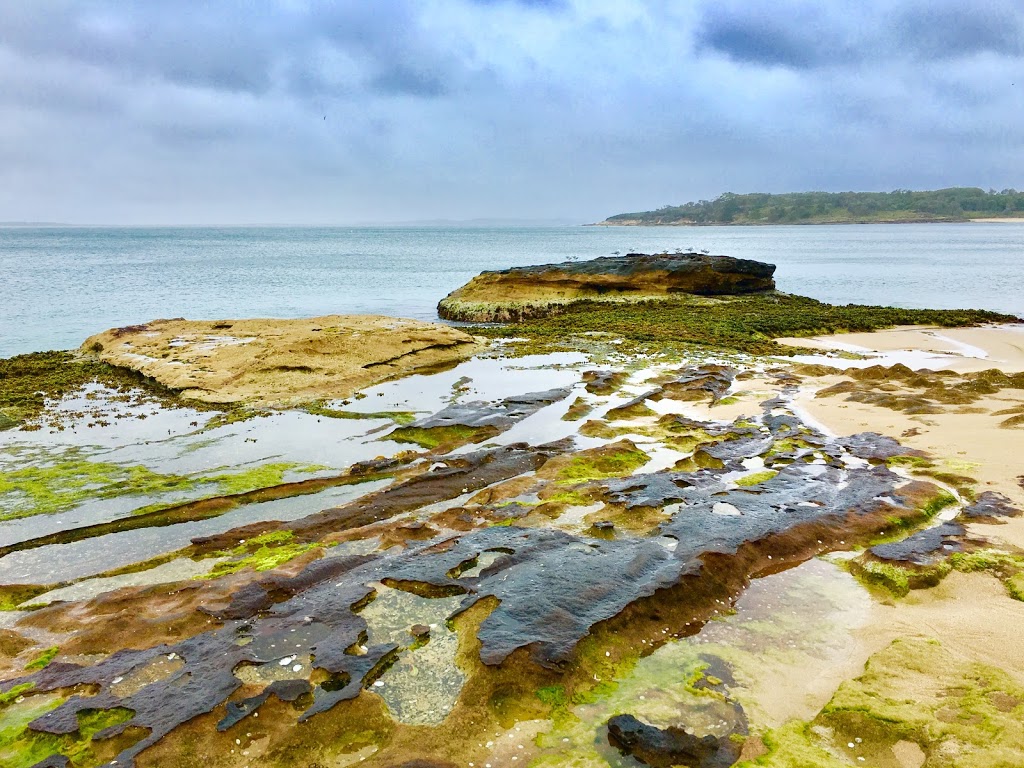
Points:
x=523 y=292
x=271 y=362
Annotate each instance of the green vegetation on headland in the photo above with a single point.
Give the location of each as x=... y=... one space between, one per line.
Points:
x=901 y=205
x=746 y=323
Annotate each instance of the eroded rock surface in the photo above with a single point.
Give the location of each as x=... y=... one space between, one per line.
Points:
x=537 y=559
x=279 y=361
x=522 y=292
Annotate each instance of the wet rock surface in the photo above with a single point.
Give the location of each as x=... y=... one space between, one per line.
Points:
x=709 y=381
x=990 y=507
x=501 y=415
x=544 y=557
x=672 y=746
x=924 y=547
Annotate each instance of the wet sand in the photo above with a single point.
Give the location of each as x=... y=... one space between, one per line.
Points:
x=970 y=440
x=955 y=349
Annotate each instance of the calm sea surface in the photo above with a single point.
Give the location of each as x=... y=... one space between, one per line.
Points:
x=59 y=285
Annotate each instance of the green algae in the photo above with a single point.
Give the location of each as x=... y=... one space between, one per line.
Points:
x=203 y=508
x=261 y=553
x=789 y=445
x=446 y=437
x=21 y=747
x=960 y=712
x=756 y=478
x=43 y=660
x=604 y=464
x=8 y=696
x=578 y=410
x=260 y=476
x=748 y=323
x=898 y=580
x=794 y=745
x=627 y=412
x=938 y=503
x=39 y=483
x=13 y=595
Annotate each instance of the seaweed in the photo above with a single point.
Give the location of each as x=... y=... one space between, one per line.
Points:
x=746 y=323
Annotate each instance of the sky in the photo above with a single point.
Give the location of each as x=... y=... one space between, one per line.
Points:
x=308 y=112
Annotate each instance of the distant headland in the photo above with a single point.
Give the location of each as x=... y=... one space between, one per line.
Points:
x=899 y=206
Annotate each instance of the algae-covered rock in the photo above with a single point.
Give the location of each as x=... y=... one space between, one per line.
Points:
x=279 y=361
x=959 y=712
x=522 y=292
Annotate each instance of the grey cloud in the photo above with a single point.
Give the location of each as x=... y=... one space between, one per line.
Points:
x=235 y=47
x=788 y=36
x=801 y=34
x=947 y=30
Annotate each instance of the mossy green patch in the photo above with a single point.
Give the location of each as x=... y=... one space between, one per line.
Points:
x=577 y=410
x=43 y=659
x=898 y=580
x=794 y=745
x=938 y=503
x=789 y=445
x=756 y=478
x=8 y=696
x=13 y=595
x=960 y=712
x=261 y=553
x=602 y=464
x=626 y=412
x=913 y=462
x=448 y=437
x=21 y=747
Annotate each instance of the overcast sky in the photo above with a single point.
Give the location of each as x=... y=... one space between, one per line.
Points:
x=300 y=111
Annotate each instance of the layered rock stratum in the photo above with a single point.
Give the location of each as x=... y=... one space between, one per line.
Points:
x=523 y=292
x=268 y=361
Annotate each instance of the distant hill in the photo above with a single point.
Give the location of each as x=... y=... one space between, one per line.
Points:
x=901 y=205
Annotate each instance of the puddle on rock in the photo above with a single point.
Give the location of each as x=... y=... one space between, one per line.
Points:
x=421 y=688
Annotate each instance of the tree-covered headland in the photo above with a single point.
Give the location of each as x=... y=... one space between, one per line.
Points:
x=901 y=205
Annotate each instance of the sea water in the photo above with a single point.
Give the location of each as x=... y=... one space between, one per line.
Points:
x=59 y=285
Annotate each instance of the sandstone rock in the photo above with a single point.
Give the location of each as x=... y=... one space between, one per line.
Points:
x=523 y=292
x=279 y=361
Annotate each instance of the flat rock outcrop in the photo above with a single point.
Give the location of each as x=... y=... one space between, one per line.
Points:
x=268 y=361
x=522 y=292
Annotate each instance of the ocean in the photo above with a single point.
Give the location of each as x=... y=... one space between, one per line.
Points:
x=62 y=284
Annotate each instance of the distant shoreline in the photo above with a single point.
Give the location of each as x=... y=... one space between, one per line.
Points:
x=637 y=223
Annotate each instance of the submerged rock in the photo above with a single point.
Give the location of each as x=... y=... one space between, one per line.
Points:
x=671 y=746
x=522 y=292
x=279 y=361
